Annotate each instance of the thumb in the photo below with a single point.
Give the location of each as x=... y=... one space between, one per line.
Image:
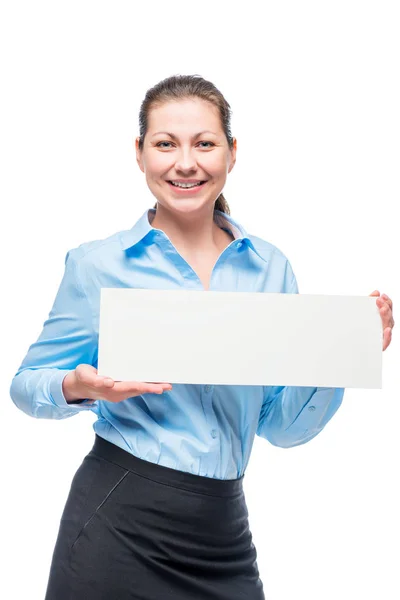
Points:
x=375 y=293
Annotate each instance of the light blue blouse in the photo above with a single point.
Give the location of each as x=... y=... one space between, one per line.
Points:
x=202 y=429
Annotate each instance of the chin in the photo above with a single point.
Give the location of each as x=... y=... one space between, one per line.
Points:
x=185 y=205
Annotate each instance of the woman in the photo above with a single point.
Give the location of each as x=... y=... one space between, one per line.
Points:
x=156 y=510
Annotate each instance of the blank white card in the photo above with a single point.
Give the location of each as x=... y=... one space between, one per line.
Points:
x=240 y=338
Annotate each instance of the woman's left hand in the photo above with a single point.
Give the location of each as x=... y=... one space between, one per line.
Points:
x=385 y=306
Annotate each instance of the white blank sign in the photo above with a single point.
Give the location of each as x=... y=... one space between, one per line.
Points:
x=240 y=338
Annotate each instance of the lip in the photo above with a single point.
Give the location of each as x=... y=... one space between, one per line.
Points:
x=187 y=191
x=187 y=180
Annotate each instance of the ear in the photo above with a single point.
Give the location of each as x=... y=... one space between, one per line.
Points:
x=233 y=155
x=139 y=158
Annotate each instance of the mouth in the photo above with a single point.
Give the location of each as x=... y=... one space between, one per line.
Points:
x=192 y=189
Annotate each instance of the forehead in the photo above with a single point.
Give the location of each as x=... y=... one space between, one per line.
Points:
x=181 y=114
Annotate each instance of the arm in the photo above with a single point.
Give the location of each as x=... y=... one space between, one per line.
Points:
x=67 y=339
x=293 y=415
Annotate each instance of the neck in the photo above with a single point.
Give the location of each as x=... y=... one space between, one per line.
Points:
x=195 y=232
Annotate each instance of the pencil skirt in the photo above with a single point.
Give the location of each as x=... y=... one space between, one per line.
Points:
x=135 y=530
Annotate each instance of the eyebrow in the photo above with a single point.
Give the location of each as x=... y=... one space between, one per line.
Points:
x=175 y=138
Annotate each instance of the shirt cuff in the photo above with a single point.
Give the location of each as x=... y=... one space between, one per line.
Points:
x=57 y=397
x=320 y=408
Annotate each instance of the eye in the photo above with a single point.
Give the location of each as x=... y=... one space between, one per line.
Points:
x=160 y=146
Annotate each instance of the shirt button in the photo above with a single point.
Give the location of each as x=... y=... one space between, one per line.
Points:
x=207 y=389
x=239 y=244
x=214 y=433
x=311 y=408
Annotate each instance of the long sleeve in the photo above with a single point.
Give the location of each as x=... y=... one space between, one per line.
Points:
x=293 y=415
x=67 y=339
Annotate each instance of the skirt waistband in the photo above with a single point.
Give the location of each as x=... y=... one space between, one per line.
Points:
x=166 y=475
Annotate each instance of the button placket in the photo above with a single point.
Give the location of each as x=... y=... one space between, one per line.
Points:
x=211 y=419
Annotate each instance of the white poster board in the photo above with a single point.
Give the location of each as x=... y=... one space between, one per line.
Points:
x=240 y=338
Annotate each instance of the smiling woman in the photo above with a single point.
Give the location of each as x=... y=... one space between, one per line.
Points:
x=157 y=508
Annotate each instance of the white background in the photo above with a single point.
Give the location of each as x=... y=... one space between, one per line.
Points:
x=314 y=89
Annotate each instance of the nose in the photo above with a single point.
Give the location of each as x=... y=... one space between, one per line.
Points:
x=186 y=160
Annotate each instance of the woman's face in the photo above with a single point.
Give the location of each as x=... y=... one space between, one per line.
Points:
x=185 y=142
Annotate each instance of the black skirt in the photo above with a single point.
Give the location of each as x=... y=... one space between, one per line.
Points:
x=136 y=530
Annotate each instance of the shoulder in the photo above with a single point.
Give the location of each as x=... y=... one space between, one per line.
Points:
x=277 y=263
x=94 y=251
x=267 y=250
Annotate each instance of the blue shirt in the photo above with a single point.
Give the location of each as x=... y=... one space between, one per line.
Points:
x=202 y=429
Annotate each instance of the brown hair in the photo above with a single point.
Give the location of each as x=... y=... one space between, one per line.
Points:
x=180 y=87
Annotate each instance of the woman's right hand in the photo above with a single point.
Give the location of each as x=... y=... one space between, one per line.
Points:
x=84 y=383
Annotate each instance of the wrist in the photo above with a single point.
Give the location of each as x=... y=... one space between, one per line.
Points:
x=69 y=388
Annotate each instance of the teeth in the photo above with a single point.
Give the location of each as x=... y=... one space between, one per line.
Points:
x=185 y=185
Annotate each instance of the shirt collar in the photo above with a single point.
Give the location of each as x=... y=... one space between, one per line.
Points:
x=143 y=227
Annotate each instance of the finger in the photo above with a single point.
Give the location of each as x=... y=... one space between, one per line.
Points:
x=88 y=375
x=387 y=336
x=388 y=300
x=382 y=300
x=156 y=388
x=144 y=385
x=108 y=382
x=100 y=382
x=386 y=315
x=139 y=387
x=163 y=383
x=375 y=293
x=385 y=303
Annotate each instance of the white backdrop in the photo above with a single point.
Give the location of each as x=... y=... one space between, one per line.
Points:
x=314 y=89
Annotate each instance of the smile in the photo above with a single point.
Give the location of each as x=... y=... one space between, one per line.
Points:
x=186 y=187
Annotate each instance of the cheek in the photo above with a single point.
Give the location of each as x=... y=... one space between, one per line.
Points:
x=214 y=164
x=157 y=165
